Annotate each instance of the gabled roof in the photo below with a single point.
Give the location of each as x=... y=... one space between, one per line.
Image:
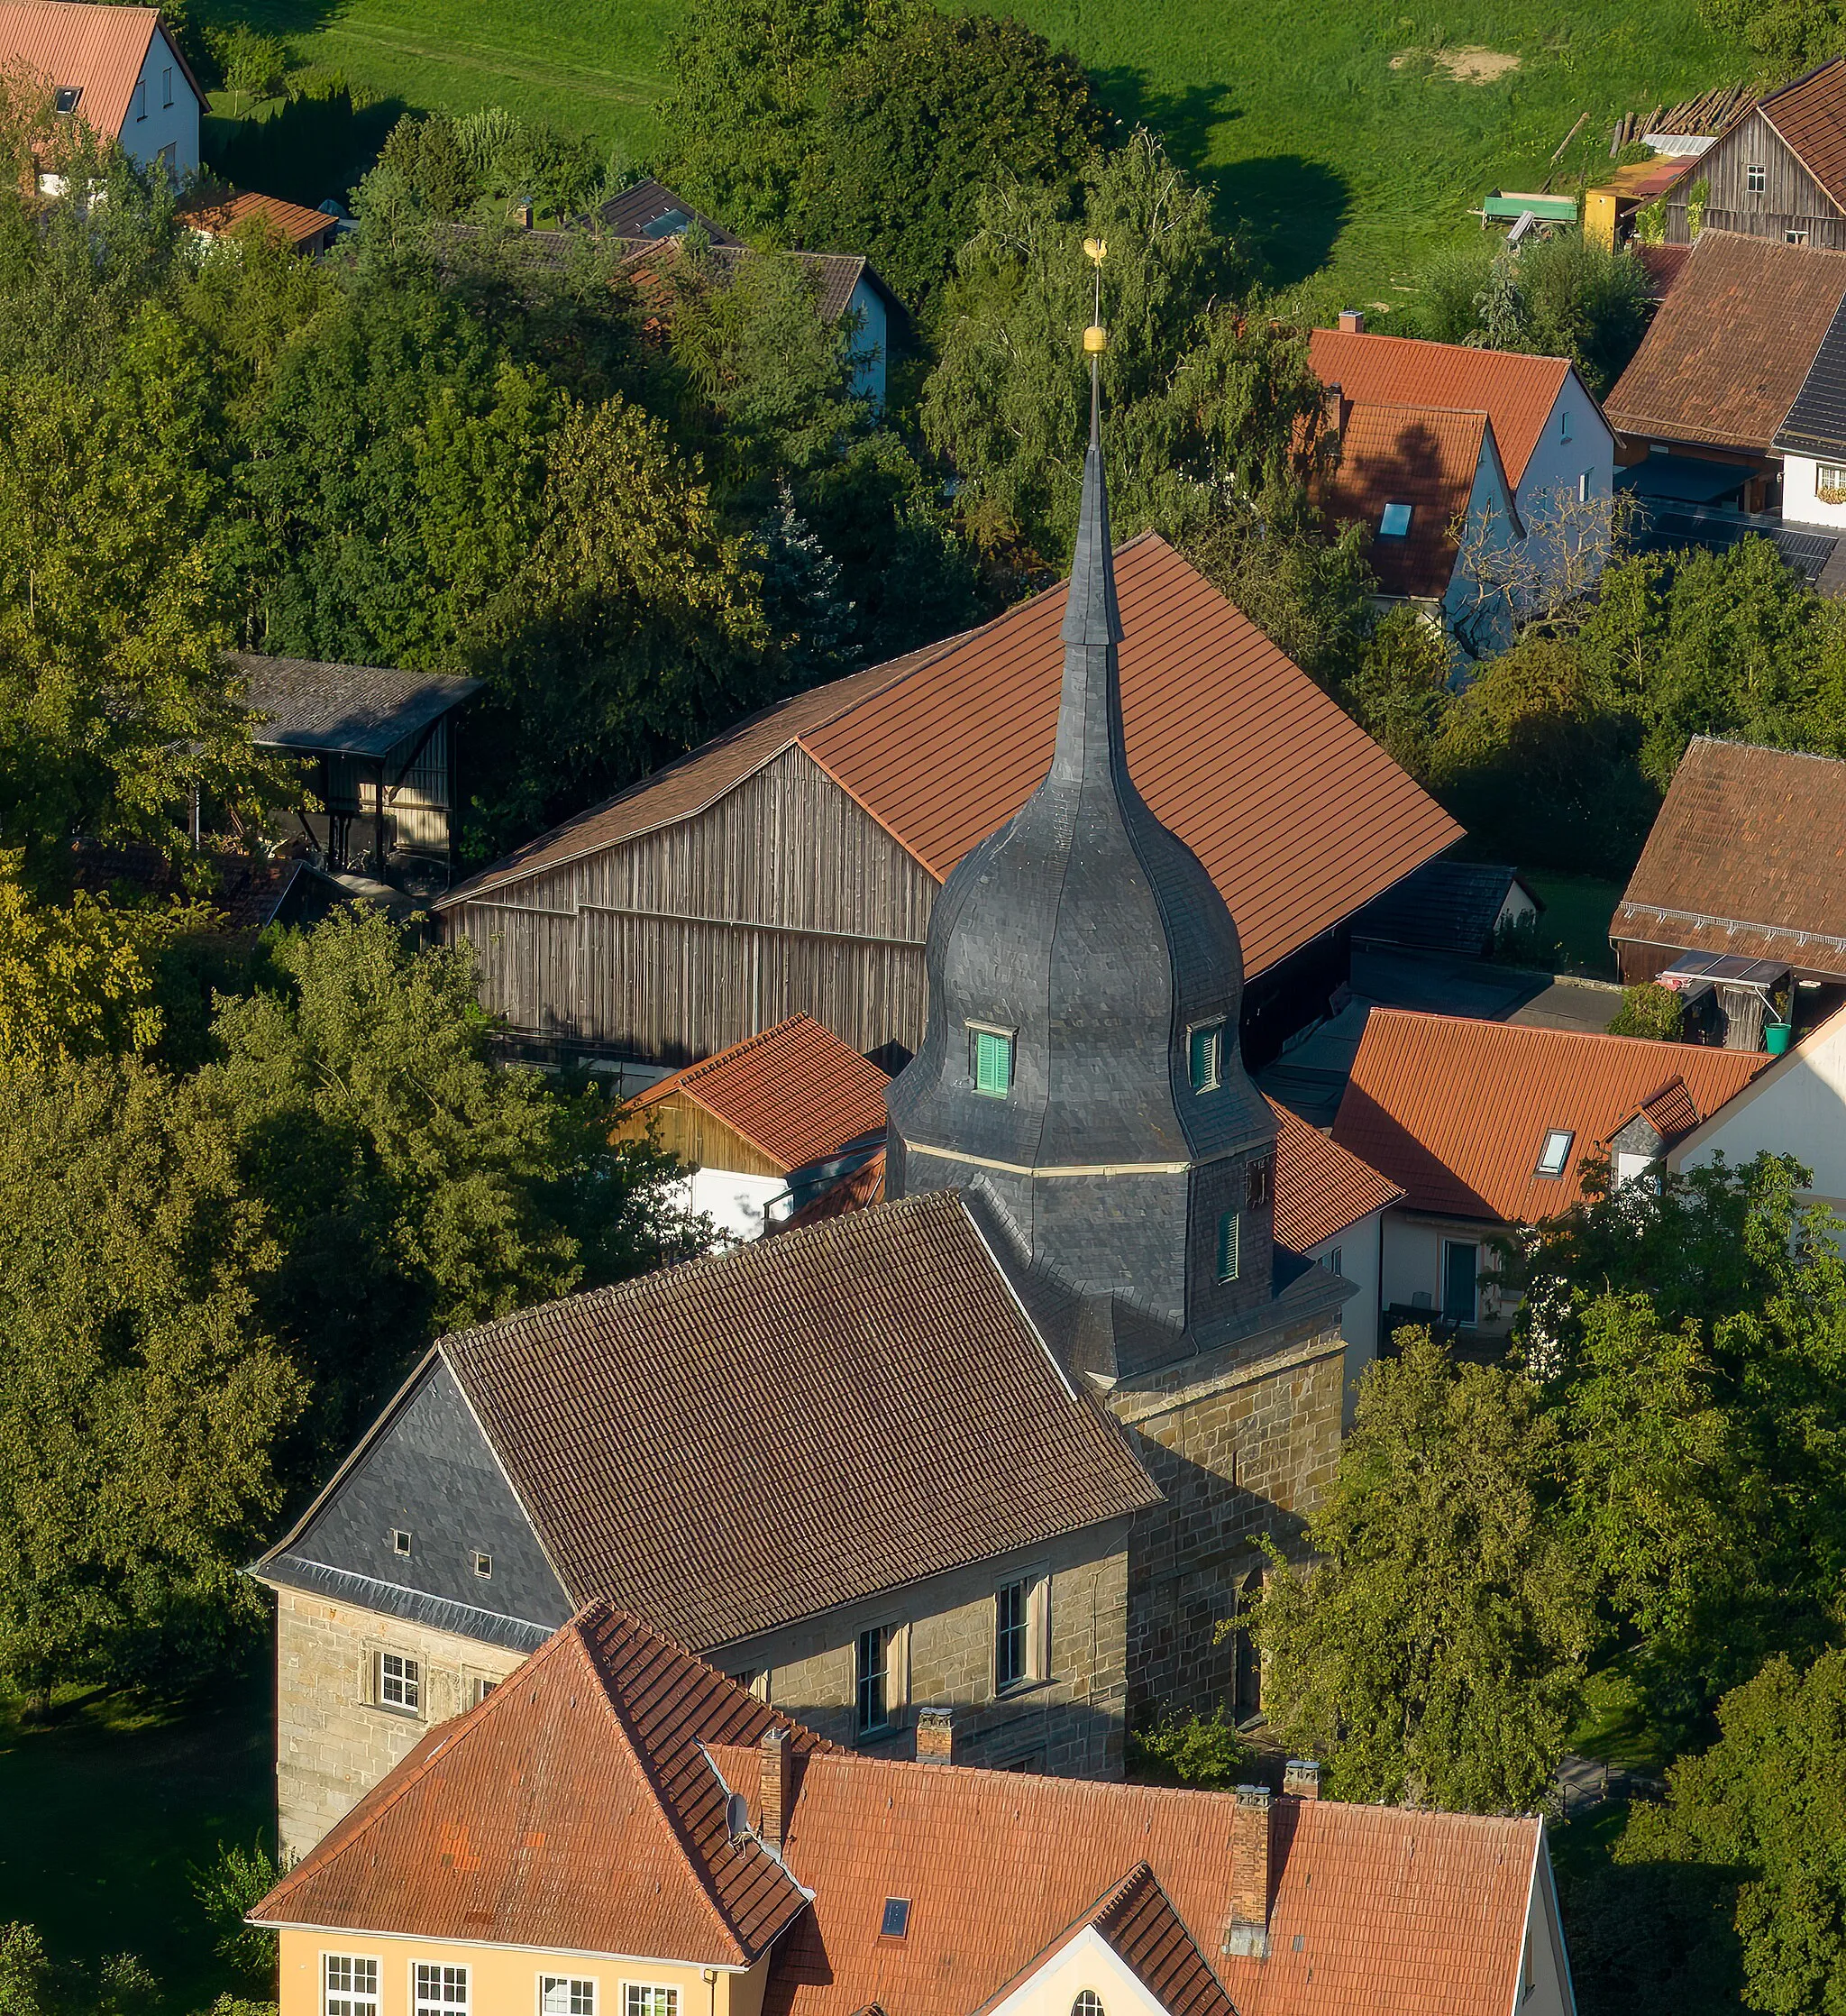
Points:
x=1732 y=343
x=1446 y=906
x=301 y=703
x=1421 y=458
x=572 y=1810
x=1810 y=115
x=1516 y=392
x=1457 y=1112
x=794 y=1092
x=99 y=48
x=836 y=274
x=1815 y=425
x=297 y=224
x=849 y=1408
x=651 y=210
x=1745 y=856
x=943 y=747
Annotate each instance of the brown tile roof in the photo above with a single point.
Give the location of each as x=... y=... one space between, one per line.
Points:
x=1516 y=392
x=573 y=1808
x=1810 y=115
x=989 y=698
x=245 y=892
x=1321 y=1187
x=1663 y=265
x=1373 y=1909
x=99 y=48
x=1416 y=455
x=840 y=1410
x=838 y=273
x=1457 y=1112
x=795 y=1092
x=1731 y=343
x=297 y=224
x=1747 y=856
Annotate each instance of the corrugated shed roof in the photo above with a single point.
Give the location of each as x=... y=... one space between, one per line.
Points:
x=1730 y=345
x=943 y=747
x=572 y=1809
x=1457 y=1112
x=301 y=703
x=1516 y=392
x=1321 y=1187
x=1810 y=115
x=1747 y=856
x=297 y=224
x=796 y=1092
x=1418 y=456
x=841 y=1410
x=99 y=48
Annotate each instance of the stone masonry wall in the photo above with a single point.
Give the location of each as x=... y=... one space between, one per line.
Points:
x=1240 y=1453
x=332 y=1743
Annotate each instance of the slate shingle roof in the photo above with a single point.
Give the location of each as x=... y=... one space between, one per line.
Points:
x=1817 y=421
x=339 y=709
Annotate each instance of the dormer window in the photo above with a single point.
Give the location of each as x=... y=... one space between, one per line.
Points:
x=1555 y=1152
x=991 y=1060
x=1205 y=1054
x=1393 y=522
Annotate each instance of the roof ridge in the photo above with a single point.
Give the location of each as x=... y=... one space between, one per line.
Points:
x=1652 y=1043
x=690 y=1074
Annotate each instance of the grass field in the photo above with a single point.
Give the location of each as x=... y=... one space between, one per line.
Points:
x=1577 y=911
x=1330 y=128
x=104 y=1812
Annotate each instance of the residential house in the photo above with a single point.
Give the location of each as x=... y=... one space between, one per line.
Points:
x=1702 y=405
x=1777 y=171
x=1811 y=437
x=617 y=1831
x=1550 y=441
x=793 y=864
x=1742 y=866
x=766 y=1124
x=1461 y=908
x=117 y=70
x=649 y=211
x=1488 y=1125
x=304 y=232
x=1014 y=1439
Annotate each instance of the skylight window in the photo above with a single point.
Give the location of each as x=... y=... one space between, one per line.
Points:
x=897 y=1918
x=670 y=223
x=66 y=97
x=1394 y=522
x=1555 y=1152
x=400 y=1541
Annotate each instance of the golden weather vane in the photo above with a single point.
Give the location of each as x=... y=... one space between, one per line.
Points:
x=1096 y=337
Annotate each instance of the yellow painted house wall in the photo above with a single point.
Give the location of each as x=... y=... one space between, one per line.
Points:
x=503 y=1981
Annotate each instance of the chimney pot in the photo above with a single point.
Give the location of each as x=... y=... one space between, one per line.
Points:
x=1352 y=322
x=1301 y=1778
x=1247 y=1935
x=935 y=1735
x=776 y=1780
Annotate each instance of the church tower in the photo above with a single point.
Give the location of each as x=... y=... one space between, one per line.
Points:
x=1081 y=1069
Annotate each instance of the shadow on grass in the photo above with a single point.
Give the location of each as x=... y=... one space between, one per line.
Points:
x=314 y=148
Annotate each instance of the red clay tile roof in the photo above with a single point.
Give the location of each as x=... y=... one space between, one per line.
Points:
x=1731 y=343
x=943 y=747
x=297 y=224
x=1517 y=393
x=1408 y=455
x=99 y=48
x=1747 y=856
x=573 y=1808
x=795 y=1092
x=756 y=1437
x=1397 y=1913
x=1321 y=1187
x=1457 y=1112
x=1810 y=115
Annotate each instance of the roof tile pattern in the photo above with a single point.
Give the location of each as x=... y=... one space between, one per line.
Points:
x=1321 y=1187
x=1457 y=1112
x=795 y=1092
x=1414 y=455
x=301 y=703
x=572 y=1809
x=1747 y=856
x=1810 y=115
x=945 y=746
x=743 y=1441
x=99 y=48
x=297 y=224
x=1732 y=343
x=834 y=274
x=1516 y=392
x=1142 y=1926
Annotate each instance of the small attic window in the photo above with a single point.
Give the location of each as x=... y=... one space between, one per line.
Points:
x=991 y=1060
x=1205 y=1054
x=1555 y=1152
x=897 y=1918
x=400 y=1541
x=1393 y=522
x=65 y=99
x=484 y=1566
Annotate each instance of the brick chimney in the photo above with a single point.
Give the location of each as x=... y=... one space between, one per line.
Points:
x=1301 y=1778
x=1333 y=402
x=1247 y=1935
x=1352 y=322
x=776 y=1781
x=935 y=1735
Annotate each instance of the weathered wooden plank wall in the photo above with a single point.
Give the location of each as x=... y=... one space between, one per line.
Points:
x=1790 y=199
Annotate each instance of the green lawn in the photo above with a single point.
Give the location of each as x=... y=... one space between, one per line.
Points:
x=1577 y=910
x=1348 y=171
x=104 y=1811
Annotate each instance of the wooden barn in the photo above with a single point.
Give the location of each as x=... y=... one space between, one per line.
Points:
x=790 y=867
x=1778 y=171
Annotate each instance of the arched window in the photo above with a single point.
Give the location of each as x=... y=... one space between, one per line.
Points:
x=1088 y=2003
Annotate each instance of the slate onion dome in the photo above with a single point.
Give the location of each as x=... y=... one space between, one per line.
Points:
x=1081 y=1062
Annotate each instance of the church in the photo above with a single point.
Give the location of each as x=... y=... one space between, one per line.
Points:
x=1003 y=1448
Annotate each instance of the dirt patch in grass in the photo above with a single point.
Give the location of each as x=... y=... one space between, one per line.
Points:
x=1466 y=66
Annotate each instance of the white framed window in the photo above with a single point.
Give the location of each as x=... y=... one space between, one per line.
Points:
x=564 y=1994
x=1088 y=2004
x=1582 y=487
x=400 y=1683
x=1333 y=1260
x=436 y=1990
x=1830 y=481
x=1554 y=1154
x=870 y=1690
x=400 y=1541
x=484 y=1566
x=1795 y=237
x=642 y=1998
x=991 y=1060
x=1021 y=1632
x=65 y=101
x=349 y=1985
x=1756 y=178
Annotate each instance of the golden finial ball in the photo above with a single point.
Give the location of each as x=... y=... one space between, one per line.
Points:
x=1096 y=340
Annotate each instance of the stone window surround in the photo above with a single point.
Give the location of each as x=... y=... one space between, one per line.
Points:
x=897 y=1675
x=370 y=1691
x=1037 y=1673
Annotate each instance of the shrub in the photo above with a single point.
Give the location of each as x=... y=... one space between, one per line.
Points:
x=1203 y=1751
x=1652 y=1010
